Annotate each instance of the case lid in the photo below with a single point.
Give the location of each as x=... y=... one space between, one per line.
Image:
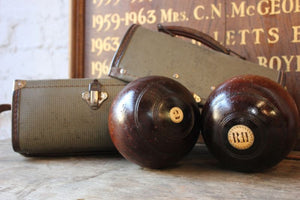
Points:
x=144 y=52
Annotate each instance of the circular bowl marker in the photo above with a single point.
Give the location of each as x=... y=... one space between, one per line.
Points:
x=176 y=114
x=240 y=137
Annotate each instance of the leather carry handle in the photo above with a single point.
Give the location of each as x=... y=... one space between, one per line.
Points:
x=5 y=107
x=198 y=36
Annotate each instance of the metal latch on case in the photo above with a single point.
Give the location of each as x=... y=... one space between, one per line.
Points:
x=94 y=97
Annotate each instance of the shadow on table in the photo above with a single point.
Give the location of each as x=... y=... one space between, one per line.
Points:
x=196 y=163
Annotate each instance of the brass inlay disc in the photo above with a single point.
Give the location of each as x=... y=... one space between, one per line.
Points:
x=240 y=137
x=176 y=115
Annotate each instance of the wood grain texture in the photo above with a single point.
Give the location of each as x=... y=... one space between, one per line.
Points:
x=260 y=117
x=77 y=38
x=154 y=122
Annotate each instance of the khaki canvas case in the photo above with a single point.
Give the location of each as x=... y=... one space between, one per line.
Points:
x=62 y=117
x=144 y=52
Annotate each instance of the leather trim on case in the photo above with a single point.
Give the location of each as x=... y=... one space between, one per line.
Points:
x=15 y=121
x=121 y=50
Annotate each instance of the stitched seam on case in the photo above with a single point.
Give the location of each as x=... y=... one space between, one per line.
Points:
x=16 y=121
x=132 y=75
x=119 y=75
x=69 y=86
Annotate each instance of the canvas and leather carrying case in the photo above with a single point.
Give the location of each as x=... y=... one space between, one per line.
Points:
x=62 y=117
x=144 y=52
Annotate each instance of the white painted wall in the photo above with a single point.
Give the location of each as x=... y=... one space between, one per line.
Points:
x=34 y=44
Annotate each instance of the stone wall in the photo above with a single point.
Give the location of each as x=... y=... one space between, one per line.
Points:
x=34 y=44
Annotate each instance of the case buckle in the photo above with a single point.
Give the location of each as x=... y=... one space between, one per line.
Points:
x=94 y=97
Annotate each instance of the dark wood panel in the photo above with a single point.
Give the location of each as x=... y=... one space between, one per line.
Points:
x=105 y=25
x=77 y=46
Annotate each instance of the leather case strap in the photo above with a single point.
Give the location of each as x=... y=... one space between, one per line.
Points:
x=5 y=107
x=198 y=36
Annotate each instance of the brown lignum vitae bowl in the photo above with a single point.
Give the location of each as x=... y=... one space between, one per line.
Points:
x=154 y=122
x=249 y=123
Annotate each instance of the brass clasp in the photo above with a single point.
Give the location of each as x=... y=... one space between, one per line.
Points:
x=94 y=97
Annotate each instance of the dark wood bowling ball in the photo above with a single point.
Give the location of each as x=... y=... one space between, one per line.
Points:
x=154 y=121
x=250 y=123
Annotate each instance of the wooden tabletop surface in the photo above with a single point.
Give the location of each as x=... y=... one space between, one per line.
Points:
x=111 y=177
